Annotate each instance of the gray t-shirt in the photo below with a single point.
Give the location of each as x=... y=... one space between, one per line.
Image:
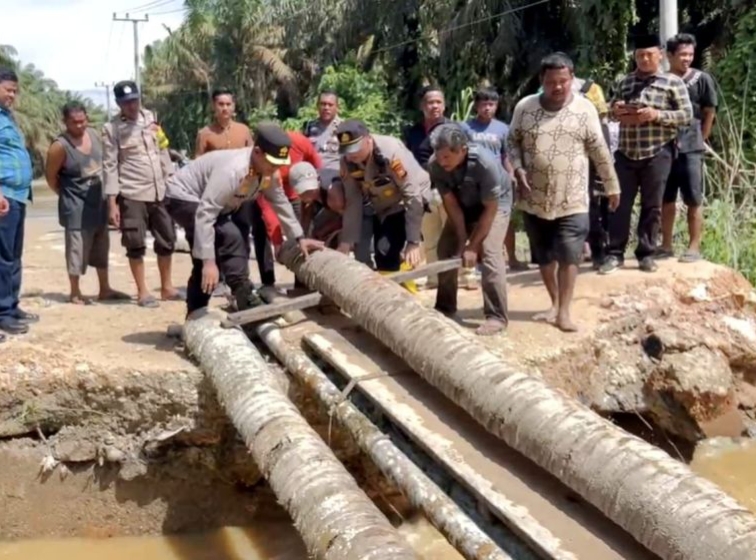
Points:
x=480 y=179
x=323 y=138
x=703 y=94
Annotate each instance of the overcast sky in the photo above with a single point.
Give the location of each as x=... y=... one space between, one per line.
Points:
x=77 y=43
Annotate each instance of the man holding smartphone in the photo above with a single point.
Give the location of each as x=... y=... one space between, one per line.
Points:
x=651 y=106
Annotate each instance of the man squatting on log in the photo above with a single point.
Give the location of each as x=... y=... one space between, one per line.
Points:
x=477 y=196
x=205 y=198
x=381 y=170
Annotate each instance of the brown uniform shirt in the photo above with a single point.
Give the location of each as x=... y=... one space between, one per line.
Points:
x=214 y=137
x=134 y=165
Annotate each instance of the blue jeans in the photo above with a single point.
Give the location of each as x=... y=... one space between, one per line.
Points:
x=11 y=249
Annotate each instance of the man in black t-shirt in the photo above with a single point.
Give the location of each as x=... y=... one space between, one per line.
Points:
x=687 y=169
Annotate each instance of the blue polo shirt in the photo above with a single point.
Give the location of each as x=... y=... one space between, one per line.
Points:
x=15 y=162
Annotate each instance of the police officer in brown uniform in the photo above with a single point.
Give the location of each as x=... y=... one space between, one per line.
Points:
x=135 y=169
x=205 y=198
x=382 y=171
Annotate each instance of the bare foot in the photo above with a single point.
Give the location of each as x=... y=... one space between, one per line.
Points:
x=491 y=327
x=565 y=324
x=113 y=295
x=78 y=299
x=547 y=316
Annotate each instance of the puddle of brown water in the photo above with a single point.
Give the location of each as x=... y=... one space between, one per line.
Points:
x=732 y=465
x=271 y=541
x=263 y=542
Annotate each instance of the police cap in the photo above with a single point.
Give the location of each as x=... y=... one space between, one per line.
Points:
x=350 y=133
x=126 y=91
x=273 y=142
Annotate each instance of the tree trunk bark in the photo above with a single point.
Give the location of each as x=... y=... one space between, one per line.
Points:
x=659 y=501
x=336 y=519
x=422 y=492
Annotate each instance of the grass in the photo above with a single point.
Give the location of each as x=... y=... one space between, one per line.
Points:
x=730 y=207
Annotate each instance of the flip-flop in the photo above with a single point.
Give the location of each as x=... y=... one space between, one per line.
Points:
x=662 y=254
x=80 y=301
x=490 y=328
x=149 y=302
x=690 y=257
x=180 y=295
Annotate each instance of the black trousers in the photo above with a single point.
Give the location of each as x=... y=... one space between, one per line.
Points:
x=649 y=178
x=266 y=263
x=389 y=238
x=231 y=255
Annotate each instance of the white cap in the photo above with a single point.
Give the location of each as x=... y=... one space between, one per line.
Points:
x=303 y=177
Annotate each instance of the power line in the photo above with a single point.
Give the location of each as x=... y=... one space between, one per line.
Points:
x=150 y=5
x=463 y=25
x=135 y=22
x=169 y=12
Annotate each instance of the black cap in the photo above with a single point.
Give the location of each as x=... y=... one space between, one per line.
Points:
x=274 y=143
x=646 y=42
x=349 y=133
x=126 y=91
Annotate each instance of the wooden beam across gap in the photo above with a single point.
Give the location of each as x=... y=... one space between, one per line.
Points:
x=264 y=312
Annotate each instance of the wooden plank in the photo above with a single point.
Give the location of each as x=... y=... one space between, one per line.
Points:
x=518 y=493
x=307 y=301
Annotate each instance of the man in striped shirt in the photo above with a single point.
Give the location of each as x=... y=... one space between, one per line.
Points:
x=651 y=107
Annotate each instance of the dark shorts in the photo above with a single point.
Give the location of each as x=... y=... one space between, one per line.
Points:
x=88 y=247
x=560 y=240
x=686 y=177
x=137 y=218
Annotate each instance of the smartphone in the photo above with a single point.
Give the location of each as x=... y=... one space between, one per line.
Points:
x=633 y=106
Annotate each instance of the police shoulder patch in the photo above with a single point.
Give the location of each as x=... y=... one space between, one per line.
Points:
x=398 y=168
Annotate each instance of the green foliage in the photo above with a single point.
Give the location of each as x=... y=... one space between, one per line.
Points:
x=730 y=214
x=362 y=95
x=463 y=106
x=736 y=74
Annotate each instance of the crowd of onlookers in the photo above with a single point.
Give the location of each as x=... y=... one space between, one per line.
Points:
x=567 y=169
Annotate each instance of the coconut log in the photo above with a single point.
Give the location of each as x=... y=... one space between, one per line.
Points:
x=658 y=500
x=421 y=491
x=335 y=518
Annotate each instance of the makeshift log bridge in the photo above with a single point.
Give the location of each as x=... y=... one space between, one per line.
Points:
x=336 y=519
x=659 y=501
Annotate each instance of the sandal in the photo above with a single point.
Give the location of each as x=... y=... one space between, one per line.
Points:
x=149 y=302
x=180 y=295
x=491 y=327
x=690 y=257
x=661 y=254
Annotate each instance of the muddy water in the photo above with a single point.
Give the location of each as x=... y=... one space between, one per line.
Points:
x=269 y=541
x=731 y=464
x=263 y=542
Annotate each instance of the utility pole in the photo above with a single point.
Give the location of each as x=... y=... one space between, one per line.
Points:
x=136 y=22
x=667 y=23
x=107 y=95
